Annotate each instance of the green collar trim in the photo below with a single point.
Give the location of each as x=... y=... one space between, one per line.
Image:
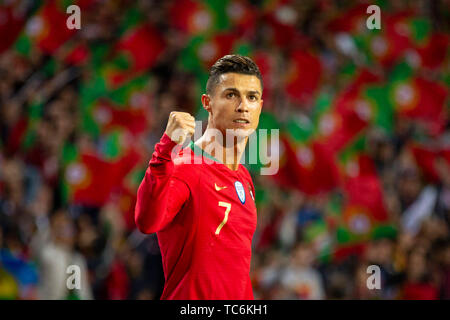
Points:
x=200 y=152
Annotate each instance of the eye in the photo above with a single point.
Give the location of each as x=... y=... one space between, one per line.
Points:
x=253 y=98
x=230 y=95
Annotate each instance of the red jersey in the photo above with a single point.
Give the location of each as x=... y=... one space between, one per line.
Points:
x=205 y=217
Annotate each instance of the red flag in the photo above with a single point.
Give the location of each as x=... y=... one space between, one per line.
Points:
x=365 y=207
x=344 y=251
x=48 y=28
x=351 y=21
x=398 y=36
x=91 y=180
x=392 y=42
x=307 y=167
x=78 y=55
x=425 y=158
x=215 y=47
x=12 y=21
x=281 y=18
x=365 y=191
x=432 y=54
x=363 y=212
x=358 y=164
x=141 y=47
x=423 y=100
x=303 y=76
x=266 y=64
x=407 y=34
x=109 y=117
x=352 y=99
x=363 y=78
x=144 y=44
x=350 y=113
x=287 y=165
x=191 y=17
x=337 y=128
x=242 y=16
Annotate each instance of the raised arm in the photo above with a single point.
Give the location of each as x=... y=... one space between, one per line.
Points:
x=160 y=195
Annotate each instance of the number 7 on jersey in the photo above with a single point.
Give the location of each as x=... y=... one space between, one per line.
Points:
x=226 y=205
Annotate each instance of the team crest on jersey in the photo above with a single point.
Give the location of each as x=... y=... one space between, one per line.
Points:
x=240 y=191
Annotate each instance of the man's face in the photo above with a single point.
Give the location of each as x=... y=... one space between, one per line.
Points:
x=235 y=103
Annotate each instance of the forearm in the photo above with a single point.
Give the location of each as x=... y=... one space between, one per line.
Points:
x=160 y=196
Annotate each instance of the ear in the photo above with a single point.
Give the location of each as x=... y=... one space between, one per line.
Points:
x=206 y=102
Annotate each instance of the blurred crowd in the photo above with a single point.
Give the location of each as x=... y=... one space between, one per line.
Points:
x=81 y=111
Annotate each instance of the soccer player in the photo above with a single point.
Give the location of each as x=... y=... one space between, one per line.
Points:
x=204 y=213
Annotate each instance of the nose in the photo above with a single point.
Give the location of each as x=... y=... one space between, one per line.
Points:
x=243 y=106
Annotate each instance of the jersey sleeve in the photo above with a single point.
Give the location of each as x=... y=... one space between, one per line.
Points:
x=161 y=195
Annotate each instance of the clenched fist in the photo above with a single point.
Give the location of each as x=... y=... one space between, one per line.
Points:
x=180 y=126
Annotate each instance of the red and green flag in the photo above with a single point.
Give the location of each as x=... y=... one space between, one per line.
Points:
x=303 y=76
x=352 y=20
x=46 y=29
x=364 y=210
x=202 y=51
x=364 y=216
x=108 y=116
x=77 y=54
x=136 y=51
x=431 y=53
x=418 y=98
x=336 y=128
x=281 y=18
x=194 y=17
x=367 y=95
x=88 y=179
x=267 y=66
x=127 y=107
x=402 y=31
x=359 y=214
x=427 y=157
x=307 y=166
x=339 y=119
x=201 y=17
x=288 y=164
x=242 y=16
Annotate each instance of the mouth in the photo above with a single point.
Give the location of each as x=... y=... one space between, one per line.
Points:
x=242 y=121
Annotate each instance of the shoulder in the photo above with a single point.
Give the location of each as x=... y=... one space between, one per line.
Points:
x=186 y=166
x=245 y=172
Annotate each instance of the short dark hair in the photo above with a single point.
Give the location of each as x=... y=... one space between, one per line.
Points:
x=231 y=63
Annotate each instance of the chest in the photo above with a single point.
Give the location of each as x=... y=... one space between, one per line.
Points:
x=226 y=207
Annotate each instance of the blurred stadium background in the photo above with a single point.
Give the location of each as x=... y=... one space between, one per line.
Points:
x=364 y=160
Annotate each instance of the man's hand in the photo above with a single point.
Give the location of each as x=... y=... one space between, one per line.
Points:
x=180 y=126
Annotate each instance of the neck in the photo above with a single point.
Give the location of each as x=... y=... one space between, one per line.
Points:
x=228 y=150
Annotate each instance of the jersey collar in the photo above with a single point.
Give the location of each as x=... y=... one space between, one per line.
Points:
x=200 y=152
